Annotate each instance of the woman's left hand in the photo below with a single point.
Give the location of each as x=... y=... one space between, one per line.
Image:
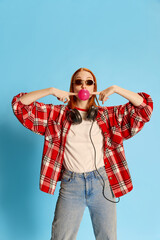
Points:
x=103 y=95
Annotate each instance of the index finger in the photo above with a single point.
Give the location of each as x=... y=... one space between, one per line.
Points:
x=95 y=93
x=71 y=93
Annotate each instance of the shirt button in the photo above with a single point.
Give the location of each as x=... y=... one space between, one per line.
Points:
x=106 y=163
x=110 y=178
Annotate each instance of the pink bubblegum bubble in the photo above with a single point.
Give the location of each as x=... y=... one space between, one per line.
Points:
x=83 y=94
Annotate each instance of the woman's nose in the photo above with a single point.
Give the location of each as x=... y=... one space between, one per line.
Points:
x=83 y=84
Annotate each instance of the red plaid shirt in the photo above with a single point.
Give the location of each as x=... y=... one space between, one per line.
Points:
x=117 y=123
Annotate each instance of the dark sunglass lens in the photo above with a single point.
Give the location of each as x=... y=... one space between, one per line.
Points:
x=89 y=82
x=78 y=82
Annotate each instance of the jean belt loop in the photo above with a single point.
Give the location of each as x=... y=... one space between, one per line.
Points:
x=95 y=173
x=72 y=176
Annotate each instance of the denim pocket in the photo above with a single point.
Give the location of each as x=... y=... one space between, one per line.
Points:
x=66 y=177
x=105 y=178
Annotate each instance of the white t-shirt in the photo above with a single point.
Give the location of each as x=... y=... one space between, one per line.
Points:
x=79 y=153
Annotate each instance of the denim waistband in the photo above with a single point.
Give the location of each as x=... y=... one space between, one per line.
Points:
x=85 y=174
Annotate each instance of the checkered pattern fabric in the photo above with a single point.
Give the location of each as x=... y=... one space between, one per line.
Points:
x=118 y=123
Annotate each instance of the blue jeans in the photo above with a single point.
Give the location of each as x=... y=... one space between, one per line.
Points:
x=78 y=190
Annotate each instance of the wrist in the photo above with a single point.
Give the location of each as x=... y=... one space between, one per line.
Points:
x=51 y=91
x=115 y=88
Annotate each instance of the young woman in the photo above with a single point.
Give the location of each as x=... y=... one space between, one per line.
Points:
x=84 y=150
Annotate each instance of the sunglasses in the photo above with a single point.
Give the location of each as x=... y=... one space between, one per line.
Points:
x=89 y=82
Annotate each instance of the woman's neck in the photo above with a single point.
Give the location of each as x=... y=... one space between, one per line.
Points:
x=82 y=104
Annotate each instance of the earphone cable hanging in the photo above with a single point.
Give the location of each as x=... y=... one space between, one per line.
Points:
x=97 y=169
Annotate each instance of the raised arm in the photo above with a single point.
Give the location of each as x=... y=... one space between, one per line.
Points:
x=133 y=97
x=131 y=116
x=35 y=95
x=32 y=114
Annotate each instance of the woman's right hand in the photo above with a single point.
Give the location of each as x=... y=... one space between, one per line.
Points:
x=62 y=95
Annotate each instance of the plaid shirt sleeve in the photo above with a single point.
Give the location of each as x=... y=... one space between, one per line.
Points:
x=33 y=116
x=132 y=118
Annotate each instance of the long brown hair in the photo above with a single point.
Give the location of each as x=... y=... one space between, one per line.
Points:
x=72 y=102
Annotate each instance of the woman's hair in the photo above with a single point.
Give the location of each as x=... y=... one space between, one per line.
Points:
x=72 y=102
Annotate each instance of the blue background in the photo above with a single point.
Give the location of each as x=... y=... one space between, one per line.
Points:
x=42 y=43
